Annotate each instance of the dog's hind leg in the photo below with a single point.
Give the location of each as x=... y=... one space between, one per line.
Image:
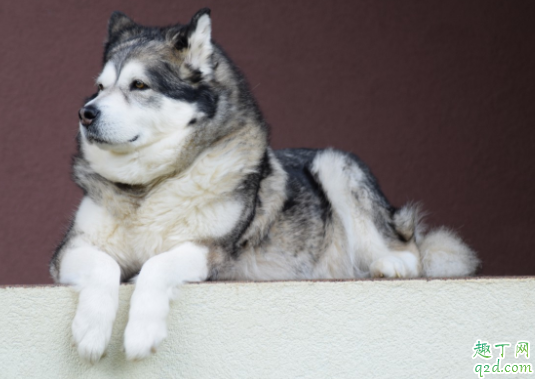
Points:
x=403 y=259
x=358 y=205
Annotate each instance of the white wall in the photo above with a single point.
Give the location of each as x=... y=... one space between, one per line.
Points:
x=347 y=329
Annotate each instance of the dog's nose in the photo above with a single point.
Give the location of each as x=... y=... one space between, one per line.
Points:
x=88 y=115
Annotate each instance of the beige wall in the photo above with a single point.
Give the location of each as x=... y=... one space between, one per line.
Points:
x=348 y=329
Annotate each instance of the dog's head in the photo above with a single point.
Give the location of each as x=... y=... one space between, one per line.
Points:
x=152 y=93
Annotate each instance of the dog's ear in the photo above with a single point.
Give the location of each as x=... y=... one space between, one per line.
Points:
x=195 y=41
x=118 y=23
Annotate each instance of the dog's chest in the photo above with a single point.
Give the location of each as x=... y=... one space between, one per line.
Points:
x=134 y=231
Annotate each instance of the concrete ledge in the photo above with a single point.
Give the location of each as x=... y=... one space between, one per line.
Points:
x=345 y=329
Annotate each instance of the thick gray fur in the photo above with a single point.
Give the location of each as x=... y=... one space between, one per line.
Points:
x=291 y=225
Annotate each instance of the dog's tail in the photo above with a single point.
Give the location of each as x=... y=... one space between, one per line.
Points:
x=442 y=252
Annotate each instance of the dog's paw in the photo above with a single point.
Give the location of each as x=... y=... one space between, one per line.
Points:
x=91 y=332
x=400 y=265
x=142 y=337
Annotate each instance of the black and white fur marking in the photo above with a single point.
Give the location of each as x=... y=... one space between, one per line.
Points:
x=181 y=185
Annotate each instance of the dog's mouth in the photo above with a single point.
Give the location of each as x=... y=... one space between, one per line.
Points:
x=95 y=139
x=91 y=138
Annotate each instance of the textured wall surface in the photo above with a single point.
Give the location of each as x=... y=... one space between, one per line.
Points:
x=436 y=96
x=366 y=329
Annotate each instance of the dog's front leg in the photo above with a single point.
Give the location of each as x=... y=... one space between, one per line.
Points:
x=155 y=286
x=96 y=276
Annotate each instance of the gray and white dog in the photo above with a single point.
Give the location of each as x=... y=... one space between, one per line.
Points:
x=180 y=185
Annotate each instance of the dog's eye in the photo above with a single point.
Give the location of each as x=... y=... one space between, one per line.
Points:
x=100 y=87
x=138 y=84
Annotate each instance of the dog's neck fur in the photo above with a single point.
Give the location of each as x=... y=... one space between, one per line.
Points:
x=225 y=174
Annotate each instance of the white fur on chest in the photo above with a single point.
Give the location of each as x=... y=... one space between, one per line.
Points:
x=199 y=204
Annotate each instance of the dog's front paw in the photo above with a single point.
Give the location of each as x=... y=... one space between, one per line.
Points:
x=91 y=331
x=142 y=336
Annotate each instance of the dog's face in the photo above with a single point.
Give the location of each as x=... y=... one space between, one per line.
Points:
x=151 y=90
x=132 y=109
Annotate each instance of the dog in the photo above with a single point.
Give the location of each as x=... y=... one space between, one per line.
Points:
x=180 y=185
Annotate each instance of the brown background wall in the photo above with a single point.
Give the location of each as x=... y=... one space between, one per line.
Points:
x=436 y=96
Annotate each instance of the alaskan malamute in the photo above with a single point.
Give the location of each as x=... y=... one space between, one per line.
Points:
x=180 y=185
